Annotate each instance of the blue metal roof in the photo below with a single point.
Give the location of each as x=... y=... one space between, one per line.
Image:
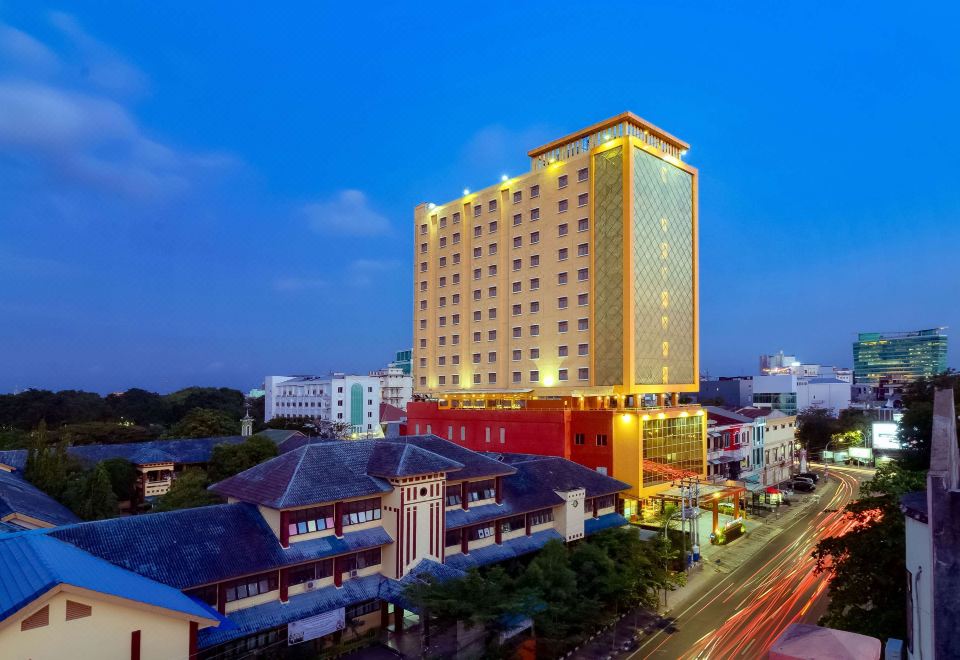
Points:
x=15 y=458
x=33 y=563
x=17 y=495
x=507 y=550
x=208 y=544
x=475 y=464
x=274 y=614
x=606 y=521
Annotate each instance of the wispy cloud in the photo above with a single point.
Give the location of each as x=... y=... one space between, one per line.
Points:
x=68 y=126
x=347 y=214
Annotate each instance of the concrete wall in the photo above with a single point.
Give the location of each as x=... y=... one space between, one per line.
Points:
x=105 y=634
x=919 y=559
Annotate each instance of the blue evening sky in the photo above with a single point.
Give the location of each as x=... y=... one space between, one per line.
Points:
x=207 y=192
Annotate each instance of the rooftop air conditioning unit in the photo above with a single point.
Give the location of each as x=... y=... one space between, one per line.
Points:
x=353 y=573
x=311 y=585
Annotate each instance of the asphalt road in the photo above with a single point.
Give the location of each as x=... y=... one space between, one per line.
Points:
x=740 y=614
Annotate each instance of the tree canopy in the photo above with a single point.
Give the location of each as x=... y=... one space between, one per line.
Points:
x=188 y=490
x=204 y=423
x=867 y=564
x=228 y=460
x=916 y=426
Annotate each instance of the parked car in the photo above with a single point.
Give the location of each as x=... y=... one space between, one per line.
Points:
x=807 y=479
x=803 y=485
x=810 y=475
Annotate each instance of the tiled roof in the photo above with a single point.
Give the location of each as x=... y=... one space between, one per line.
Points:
x=395 y=459
x=478 y=514
x=192 y=450
x=724 y=417
x=34 y=563
x=315 y=473
x=17 y=495
x=280 y=436
x=507 y=550
x=391 y=413
x=424 y=569
x=148 y=455
x=606 y=521
x=475 y=464
x=191 y=547
x=539 y=476
x=15 y=458
x=275 y=614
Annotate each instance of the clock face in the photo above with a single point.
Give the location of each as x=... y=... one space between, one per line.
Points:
x=576 y=503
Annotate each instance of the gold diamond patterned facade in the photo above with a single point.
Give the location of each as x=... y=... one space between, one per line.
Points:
x=608 y=284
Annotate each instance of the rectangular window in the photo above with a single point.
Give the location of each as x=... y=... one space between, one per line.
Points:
x=517 y=219
x=317 y=570
x=562 y=181
x=517 y=332
x=534 y=307
x=492 y=205
x=484 y=531
x=517 y=355
x=579 y=439
x=361 y=511
x=534 y=260
x=583 y=299
x=583 y=249
x=476 y=358
x=534 y=376
x=481 y=490
x=514 y=524
x=583 y=174
x=535 y=214
x=423 y=285
x=516 y=287
x=476 y=294
x=456 y=276
x=563 y=254
x=516 y=310
x=492 y=313
x=492 y=249
x=491 y=378
x=562 y=326
x=517 y=263
x=562 y=206
x=517 y=241
x=477 y=210
x=456 y=259
x=456 y=238
x=453 y=495
x=423 y=229
x=360 y=560
x=493 y=227
x=477 y=252
x=516 y=376
x=423 y=266
x=541 y=517
x=477 y=231
x=253 y=585
x=361 y=609
x=534 y=237
x=583 y=373
x=492 y=291
x=443 y=241
x=492 y=356
x=455 y=379
x=534 y=191
x=456 y=321
x=582 y=199
x=563 y=229
x=443 y=222
x=561 y=278
x=442 y=380
x=583 y=324
x=456 y=299
x=583 y=274
x=517 y=197
x=562 y=351
x=452 y=537
x=534 y=353
x=534 y=330
x=583 y=349
x=534 y=283
x=562 y=302
x=476 y=315
x=583 y=224
x=601 y=439
x=562 y=374
x=491 y=335
x=456 y=217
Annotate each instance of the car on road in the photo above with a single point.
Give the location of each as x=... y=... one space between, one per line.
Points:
x=813 y=476
x=803 y=486
x=807 y=479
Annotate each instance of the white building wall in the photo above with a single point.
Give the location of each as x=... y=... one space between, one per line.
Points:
x=919 y=563
x=328 y=398
x=395 y=387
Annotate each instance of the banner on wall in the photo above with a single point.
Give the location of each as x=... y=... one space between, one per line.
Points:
x=315 y=626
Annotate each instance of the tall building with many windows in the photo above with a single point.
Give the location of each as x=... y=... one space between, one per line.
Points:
x=897 y=358
x=572 y=287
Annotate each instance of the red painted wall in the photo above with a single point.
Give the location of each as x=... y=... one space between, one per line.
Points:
x=544 y=432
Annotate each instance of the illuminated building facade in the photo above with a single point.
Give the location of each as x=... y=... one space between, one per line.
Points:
x=569 y=289
x=898 y=358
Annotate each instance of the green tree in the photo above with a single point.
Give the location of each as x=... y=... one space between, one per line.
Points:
x=228 y=460
x=867 y=564
x=815 y=428
x=916 y=425
x=99 y=500
x=123 y=477
x=188 y=490
x=205 y=423
x=222 y=399
x=103 y=433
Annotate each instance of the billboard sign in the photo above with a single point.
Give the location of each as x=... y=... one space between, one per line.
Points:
x=862 y=453
x=885 y=435
x=315 y=626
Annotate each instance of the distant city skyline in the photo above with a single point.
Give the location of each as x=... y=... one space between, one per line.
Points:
x=193 y=198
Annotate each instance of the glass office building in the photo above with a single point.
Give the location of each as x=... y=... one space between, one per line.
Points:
x=899 y=357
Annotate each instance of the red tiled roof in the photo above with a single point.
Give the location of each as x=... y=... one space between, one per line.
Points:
x=390 y=413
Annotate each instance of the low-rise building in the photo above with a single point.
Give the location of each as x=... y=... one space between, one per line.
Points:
x=933 y=538
x=340 y=398
x=317 y=543
x=779 y=431
x=728 y=392
x=730 y=445
x=396 y=387
x=24 y=506
x=792 y=394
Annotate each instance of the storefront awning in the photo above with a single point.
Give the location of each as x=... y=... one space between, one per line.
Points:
x=723 y=459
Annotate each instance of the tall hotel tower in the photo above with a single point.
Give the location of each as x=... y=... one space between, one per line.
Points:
x=556 y=312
